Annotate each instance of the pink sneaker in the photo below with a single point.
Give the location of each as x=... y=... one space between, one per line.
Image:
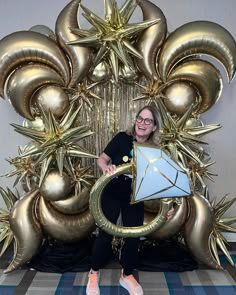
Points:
x=131 y=285
x=92 y=285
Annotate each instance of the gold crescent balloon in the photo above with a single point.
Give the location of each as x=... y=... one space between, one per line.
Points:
x=205 y=77
x=25 y=46
x=80 y=56
x=150 y=39
x=75 y=203
x=173 y=225
x=121 y=231
x=198 y=229
x=25 y=81
x=198 y=37
x=64 y=227
x=26 y=230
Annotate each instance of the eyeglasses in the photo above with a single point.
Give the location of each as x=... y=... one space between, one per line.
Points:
x=146 y=121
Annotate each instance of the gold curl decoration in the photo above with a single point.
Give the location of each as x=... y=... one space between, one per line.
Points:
x=150 y=39
x=198 y=37
x=25 y=46
x=64 y=227
x=26 y=230
x=25 y=81
x=121 y=231
x=205 y=77
x=80 y=56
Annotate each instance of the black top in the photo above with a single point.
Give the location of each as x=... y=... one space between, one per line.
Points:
x=120 y=148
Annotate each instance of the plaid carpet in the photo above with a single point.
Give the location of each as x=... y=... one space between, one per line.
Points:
x=200 y=281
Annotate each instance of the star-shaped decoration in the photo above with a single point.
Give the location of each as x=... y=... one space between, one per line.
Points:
x=151 y=92
x=112 y=37
x=81 y=176
x=24 y=168
x=199 y=171
x=82 y=93
x=6 y=235
x=222 y=225
x=182 y=141
x=57 y=142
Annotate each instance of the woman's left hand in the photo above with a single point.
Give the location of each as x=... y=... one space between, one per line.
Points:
x=170 y=213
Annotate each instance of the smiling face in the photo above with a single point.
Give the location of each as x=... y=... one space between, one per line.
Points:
x=144 y=126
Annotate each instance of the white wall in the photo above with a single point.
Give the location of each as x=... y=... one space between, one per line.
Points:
x=18 y=15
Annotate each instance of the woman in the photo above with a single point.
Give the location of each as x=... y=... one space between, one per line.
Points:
x=116 y=200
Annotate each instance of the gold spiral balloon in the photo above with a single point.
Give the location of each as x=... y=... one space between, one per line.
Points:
x=25 y=81
x=121 y=231
x=150 y=39
x=80 y=56
x=205 y=77
x=64 y=227
x=26 y=230
x=24 y=47
x=198 y=37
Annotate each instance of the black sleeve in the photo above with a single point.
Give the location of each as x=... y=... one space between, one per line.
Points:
x=113 y=146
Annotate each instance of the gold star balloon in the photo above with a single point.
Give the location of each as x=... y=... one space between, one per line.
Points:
x=57 y=142
x=113 y=37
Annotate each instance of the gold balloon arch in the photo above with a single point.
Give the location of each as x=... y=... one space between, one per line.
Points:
x=75 y=88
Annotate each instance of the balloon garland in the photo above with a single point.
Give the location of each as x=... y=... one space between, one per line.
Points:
x=67 y=83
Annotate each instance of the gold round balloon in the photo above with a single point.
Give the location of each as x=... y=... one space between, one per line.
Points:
x=127 y=75
x=100 y=73
x=193 y=122
x=53 y=98
x=36 y=124
x=56 y=187
x=42 y=29
x=179 y=97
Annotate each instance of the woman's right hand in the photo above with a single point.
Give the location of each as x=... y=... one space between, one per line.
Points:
x=103 y=163
x=108 y=169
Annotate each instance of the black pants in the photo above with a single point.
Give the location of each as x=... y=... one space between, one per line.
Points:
x=116 y=200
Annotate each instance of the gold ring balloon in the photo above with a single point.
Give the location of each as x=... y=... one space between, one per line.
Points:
x=117 y=230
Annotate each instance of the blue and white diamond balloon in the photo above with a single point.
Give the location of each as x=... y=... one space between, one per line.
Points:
x=157 y=175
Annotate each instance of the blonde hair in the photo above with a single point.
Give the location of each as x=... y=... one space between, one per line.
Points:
x=154 y=136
